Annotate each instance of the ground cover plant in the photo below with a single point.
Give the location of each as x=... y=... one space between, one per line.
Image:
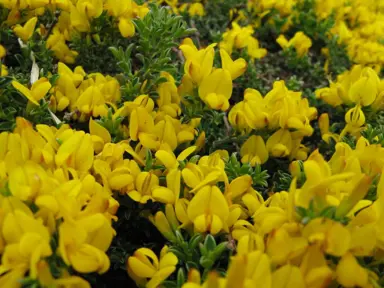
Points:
x=212 y=143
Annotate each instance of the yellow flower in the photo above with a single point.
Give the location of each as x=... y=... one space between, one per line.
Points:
x=121 y=178
x=27 y=242
x=66 y=281
x=324 y=129
x=38 y=90
x=29 y=180
x=314 y=268
x=100 y=135
x=216 y=89
x=254 y=151
x=250 y=242
x=300 y=42
x=282 y=247
x=196 y=9
x=76 y=151
x=169 y=194
x=79 y=20
x=365 y=89
x=25 y=32
x=253 y=49
x=75 y=249
x=199 y=63
x=280 y=143
x=236 y=68
x=349 y=273
x=358 y=193
x=166 y=223
x=169 y=160
x=140 y=123
x=92 y=102
x=3 y=70
x=12 y=278
x=319 y=178
x=3 y=52
x=144 y=184
x=126 y=27
x=144 y=265
x=192 y=175
x=208 y=210
x=249 y=270
x=117 y=8
x=287 y=276
x=90 y=8
x=238 y=187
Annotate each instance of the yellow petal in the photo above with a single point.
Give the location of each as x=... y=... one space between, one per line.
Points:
x=219 y=82
x=338 y=240
x=185 y=153
x=168 y=159
x=126 y=27
x=25 y=91
x=96 y=129
x=287 y=276
x=40 y=88
x=68 y=147
x=163 y=195
x=350 y=273
x=240 y=185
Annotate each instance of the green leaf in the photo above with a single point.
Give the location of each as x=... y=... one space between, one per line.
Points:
x=219 y=250
x=7 y=126
x=195 y=240
x=206 y=262
x=301 y=211
x=180 y=277
x=210 y=242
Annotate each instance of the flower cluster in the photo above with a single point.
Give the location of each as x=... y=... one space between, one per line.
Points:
x=240 y=38
x=300 y=42
x=75 y=17
x=52 y=206
x=292 y=234
x=282 y=110
x=359 y=25
x=214 y=85
x=213 y=142
x=360 y=87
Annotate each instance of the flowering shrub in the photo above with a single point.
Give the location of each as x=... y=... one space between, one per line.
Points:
x=212 y=143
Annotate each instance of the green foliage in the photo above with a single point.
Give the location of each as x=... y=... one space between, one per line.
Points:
x=197 y=254
x=209 y=28
x=158 y=34
x=113 y=126
x=92 y=46
x=338 y=57
x=375 y=135
x=312 y=212
x=306 y=20
x=234 y=169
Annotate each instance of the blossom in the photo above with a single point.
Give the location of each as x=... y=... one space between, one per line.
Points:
x=38 y=90
x=144 y=265
x=299 y=41
x=216 y=89
x=25 y=32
